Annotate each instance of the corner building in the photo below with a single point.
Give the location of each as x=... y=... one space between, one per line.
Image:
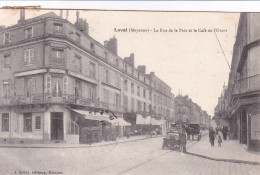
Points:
x=52 y=72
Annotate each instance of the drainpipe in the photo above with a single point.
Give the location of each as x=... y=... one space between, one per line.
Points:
x=10 y=129
x=43 y=97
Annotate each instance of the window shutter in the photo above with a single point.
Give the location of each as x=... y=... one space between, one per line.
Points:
x=33 y=82
x=25 y=54
x=32 y=56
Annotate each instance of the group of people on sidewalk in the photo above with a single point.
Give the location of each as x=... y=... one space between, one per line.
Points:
x=216 y=136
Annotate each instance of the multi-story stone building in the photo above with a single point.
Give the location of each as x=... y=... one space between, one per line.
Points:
x=53 y=73
x=190 y=112
x=244 y=83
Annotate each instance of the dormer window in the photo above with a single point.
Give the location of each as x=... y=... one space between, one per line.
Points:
x=78 y=37
x=28 y=32
x=57 y=26
x=92 y=47
x=117 y=62
x=106 y=56
x=6 y=38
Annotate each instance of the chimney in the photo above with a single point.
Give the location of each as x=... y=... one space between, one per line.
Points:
x=81 y=24
x=61 y=14
x=22 y=16
x=130 y=60
x=152 y=73
x=111 y=45
x=142 y=68
x=67 y=14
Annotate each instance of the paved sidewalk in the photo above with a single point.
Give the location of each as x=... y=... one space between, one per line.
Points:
x=68 y=145
x=229 y=150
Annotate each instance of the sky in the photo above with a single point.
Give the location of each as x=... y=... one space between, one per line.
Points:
x=191 y=63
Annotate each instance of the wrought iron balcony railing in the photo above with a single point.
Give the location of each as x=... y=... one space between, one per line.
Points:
x=44 y=98
x=248 y=84
x=57 y=61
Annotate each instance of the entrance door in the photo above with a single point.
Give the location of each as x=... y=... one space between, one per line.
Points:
x=57 y=132
x=243 y=128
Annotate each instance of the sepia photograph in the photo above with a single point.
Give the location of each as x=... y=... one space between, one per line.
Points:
x=108 y=92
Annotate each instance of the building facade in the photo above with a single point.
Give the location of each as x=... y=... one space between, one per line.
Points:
x=190 y=112
x=51 y=69
x=244 y=83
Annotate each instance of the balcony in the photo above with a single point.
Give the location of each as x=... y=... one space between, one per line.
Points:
x=110 y=106
x=43 y=98
x=57 y=61
x=248 y=84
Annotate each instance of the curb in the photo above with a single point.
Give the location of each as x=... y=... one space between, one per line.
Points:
x=80 y=146
x=225 y=160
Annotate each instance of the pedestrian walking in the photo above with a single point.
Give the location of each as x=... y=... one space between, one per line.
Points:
x=219 y=141
x=212 y=136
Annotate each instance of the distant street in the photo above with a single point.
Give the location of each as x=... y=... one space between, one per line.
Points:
x=139 y=157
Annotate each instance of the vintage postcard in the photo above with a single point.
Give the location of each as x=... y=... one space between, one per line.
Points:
x=129 y=92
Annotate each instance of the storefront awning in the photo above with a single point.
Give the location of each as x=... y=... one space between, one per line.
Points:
x=140 y=120
x=156 y=122
x=93 y=116
x=120 y=122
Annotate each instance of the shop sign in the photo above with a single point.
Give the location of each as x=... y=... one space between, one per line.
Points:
x=30 y=109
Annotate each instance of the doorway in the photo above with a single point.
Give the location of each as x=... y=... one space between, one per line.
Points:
x=243 y=128
x=57 y=132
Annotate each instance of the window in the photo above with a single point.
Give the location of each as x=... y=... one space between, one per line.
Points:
x=106 y=95
x=6 y=89
x=117 y=62
x=57 y=92
x=125 y=102
x=138 y=90
x=138 y=75
x=144 y=93
x=57 y=53
x=126 y=68
x=33 y=83
x=7 y=61
x=92 y=70
x=91 y=93
x=28 y=32
x=139 y=106
x=27 y=127
x=150 y=95
x=29 y=56
x=106 y=56
x=48 y=84
x=132 y=104
x=58 y=27
x=144 y=106
x=92 y=47
x=38 y=122
x=132 y=88
x=5 y=122
x=74 y=128
x=132 y=71
x=117 y=80
x=126 y=85
x=65 y=85
x=29 y=85
x=78 y=37
x=106 y=76
x=7 y=38
x=117 y=100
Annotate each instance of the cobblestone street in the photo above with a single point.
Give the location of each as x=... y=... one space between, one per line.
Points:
x=139 y=157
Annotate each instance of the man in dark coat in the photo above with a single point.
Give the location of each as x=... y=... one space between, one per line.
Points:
x=212 y=136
